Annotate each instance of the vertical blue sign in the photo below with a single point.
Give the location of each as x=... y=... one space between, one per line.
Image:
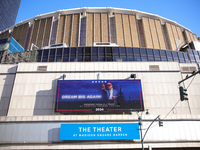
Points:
x=109 y=131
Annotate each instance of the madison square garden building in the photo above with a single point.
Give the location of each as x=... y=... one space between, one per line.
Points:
x=84 y=79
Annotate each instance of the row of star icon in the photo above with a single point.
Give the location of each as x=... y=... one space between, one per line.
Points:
x=99 y=81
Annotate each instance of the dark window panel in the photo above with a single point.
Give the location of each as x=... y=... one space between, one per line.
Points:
x=175 y=56
x=192 y=58
x=88 y=51
x=186 y=58
x=169 y=55
x=116 y=51
x=181 y=57
x=101 y=58
x=108 y=51
x=101 y=51
x=94 y=58
x=95 y=50
x=150 y=55
x=80 y=50
x=144 y=54
x=163 y=55
x=129 y=51
x=73 y=51
x=196 y=56
x=39 y=55
x=123 y=51
x=109 y=58
x=137 y=54
x=65 y=59
x=115 y=58
x=157 y=55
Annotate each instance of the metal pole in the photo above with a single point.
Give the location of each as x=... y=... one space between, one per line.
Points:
x=140 y=124
x=189 y=76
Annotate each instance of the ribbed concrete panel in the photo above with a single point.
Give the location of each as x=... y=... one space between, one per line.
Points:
x=4 y=34
x=19 y=32
x=90 y=29
x=147 y=32
x=68 y=27
x=24 y=35
x=60 y=31
x=127 y=31
x=41 y=33
x=14 y=33
x=154 y=34
x=112 y=27
x=134 y=31
x=174 y=31
x=35 y=32
x=188 y=39
x=191 y=36
x=75 y=31
x=180 y=34
x=105 y=27
x=119 y=29
x=170 y=36
x=47 y=32
x=97 y=27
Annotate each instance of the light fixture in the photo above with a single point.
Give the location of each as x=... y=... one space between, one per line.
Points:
x=147 y=112
x=64 y=76
x=133 y=76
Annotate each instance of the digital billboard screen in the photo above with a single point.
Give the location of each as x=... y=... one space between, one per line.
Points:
x=99 y=96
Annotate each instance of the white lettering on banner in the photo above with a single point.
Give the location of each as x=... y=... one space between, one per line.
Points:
x=81 y=96
x=100 y=129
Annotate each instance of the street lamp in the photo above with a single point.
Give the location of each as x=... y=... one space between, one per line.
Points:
x=140 y=125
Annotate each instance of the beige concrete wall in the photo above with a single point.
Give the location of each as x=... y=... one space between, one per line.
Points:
x=34 y=92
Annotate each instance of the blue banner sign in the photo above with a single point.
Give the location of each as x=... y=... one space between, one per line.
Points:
x=99 y=96
x=109 y=131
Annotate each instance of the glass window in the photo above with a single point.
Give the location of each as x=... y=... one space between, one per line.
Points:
x=59 y=55
x=191 y=56
x=52 y=55
x=101 y=58
x=186 y=57
x=137 y=54
x=45 y=55
x=150 y=55
x=124 y=58
x=80 y=59
x=181 y=57
x=144 y=54
x=108 y=51
x=157 y=55
x=175 y=56
x=115 y=58
x=95 y=51
x=196 y=56
x=130 y=54
x=66 y=55
x=163 y=55
x=116 y=51
x=80 y=51
x=169 y=55
x=94 y=58
x=73 y=51
x=109 y=58
x=101 y=51
x=123 y=51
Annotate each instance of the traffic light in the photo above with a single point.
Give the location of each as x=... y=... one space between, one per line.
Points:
x=183 y=93
x=160 y=123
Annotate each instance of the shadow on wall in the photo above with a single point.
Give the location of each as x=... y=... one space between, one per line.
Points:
x=45 y=100
x=6 y=89
x=54 y=135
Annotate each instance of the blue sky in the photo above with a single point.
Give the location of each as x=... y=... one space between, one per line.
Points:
x=184 y=12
